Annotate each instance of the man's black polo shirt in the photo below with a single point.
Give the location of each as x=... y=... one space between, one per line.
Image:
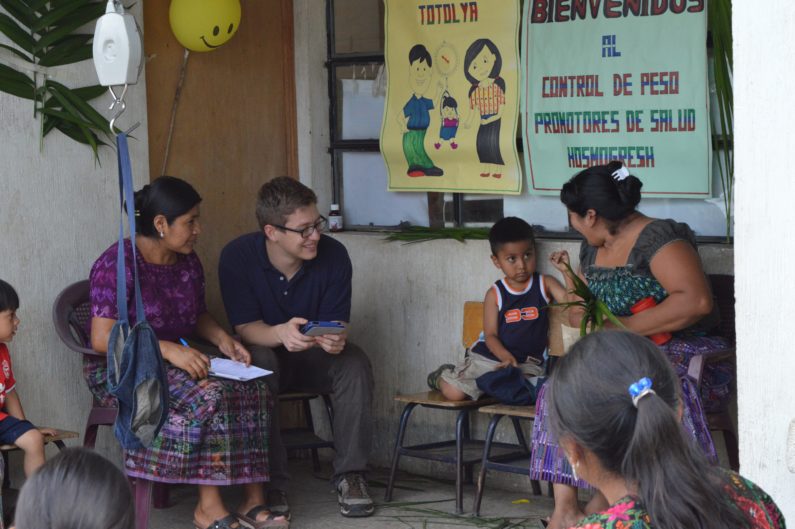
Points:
x=254 y=290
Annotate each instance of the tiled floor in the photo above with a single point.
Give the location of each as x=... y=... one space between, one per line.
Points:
x=419 y=503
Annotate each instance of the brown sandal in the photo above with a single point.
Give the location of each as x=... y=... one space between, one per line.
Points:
x=250 y=519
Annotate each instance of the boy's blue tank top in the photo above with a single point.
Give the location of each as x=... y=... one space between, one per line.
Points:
x=523 y=326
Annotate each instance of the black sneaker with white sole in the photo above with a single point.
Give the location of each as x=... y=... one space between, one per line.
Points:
x=352 y=496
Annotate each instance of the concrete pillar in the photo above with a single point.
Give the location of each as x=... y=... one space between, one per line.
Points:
x=764 y=245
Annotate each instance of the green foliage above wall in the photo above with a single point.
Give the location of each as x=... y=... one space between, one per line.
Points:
x=720 y=27
x=44 y=34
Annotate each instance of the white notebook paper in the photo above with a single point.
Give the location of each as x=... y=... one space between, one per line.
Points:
x=226 y=368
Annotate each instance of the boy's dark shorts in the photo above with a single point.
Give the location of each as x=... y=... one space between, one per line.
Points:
x=12 y=429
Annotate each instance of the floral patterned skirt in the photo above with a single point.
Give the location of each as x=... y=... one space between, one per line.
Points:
x=549 y=463
x=216 y=432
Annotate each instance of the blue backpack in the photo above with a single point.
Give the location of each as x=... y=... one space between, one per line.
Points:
x=136 y=372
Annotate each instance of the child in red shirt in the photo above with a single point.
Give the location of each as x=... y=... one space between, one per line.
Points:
x=14 y=428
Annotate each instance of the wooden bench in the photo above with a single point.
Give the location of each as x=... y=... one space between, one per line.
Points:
x=57 y=440
x=462 y=451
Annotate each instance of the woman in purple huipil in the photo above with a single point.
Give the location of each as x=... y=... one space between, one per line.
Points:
x=216 y=433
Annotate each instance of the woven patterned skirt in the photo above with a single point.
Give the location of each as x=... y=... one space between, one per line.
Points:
x=718 y=379
x=549 y=463
x=216 y=432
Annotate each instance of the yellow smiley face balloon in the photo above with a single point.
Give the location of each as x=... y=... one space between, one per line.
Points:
x=204 y=25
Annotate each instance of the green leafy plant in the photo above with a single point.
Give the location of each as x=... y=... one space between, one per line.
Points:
x=42 y=34
x=595 y=312
x=719 y=22
x=414 y=234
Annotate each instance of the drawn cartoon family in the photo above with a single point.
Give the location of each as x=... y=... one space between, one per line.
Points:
x=482 y=65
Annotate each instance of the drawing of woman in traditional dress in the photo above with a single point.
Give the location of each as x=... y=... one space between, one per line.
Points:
x=482 y=65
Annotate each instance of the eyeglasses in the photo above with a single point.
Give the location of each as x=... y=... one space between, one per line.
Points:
x=319 y=226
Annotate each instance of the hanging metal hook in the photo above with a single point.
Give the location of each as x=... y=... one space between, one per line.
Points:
x=120 y=106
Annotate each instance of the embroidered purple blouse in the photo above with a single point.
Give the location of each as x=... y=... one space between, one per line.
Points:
x=173 y=295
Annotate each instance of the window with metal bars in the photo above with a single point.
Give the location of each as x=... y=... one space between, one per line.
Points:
x=356 y=88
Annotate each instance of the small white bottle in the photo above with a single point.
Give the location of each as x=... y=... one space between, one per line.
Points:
x=335 y=218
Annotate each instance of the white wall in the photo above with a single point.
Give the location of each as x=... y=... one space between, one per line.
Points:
x=764 y=245
x=58 y=212
x=311 y=95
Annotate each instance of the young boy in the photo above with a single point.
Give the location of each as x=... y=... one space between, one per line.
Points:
x=14 y=429
x=515 y=323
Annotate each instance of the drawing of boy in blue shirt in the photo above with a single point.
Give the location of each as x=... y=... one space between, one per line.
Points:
x=416 y=116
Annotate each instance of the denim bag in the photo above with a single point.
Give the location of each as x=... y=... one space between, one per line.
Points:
x=136 y=372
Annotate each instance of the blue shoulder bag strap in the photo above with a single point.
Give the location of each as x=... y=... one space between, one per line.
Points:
x=136 y=372
x=126 y=195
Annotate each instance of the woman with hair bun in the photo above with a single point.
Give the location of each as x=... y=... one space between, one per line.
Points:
x=217 y=430
x=611 y=400
x=649 y=274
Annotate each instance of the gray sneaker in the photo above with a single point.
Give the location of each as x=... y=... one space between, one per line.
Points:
x=353 y=497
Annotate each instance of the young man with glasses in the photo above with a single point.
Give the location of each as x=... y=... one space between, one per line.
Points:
x=277 y=279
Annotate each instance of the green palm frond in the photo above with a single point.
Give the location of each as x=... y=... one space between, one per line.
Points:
x=595 y=311
x=719 y=22
x=42 y=33
x=413 y=234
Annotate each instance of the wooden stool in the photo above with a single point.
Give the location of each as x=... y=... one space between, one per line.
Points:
x=305 y=438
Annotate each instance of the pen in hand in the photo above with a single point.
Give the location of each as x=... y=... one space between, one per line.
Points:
x=184 y=342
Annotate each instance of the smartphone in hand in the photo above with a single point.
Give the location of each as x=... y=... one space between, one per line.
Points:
x=319 y=328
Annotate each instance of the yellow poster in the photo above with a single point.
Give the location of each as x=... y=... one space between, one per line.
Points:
x=452 y=100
